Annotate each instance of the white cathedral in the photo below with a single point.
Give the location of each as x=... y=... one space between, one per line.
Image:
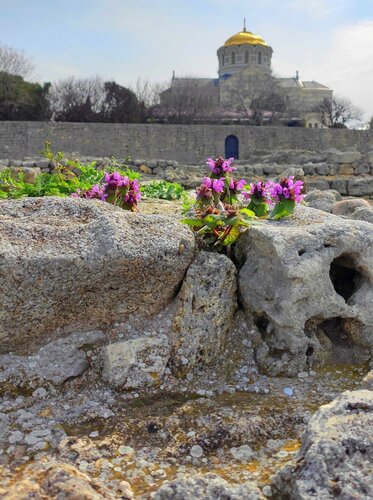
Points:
x=245 y=75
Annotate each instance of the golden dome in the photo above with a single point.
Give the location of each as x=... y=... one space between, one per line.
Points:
x=245 y=38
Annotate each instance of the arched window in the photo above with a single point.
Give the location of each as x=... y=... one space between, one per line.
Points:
x=233 y=58
x=259 y=58
x=246 y=56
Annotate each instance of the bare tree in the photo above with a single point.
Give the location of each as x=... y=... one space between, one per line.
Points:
x=251 y=93
x=337 y=112
x=77 y=99
x=148 y=92
x=15 y=62
x=188 y=100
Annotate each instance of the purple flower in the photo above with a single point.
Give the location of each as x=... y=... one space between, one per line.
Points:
x=286 y=189
x=203 y=192
x=220 y=166
x=116 y=180
x=216 y=185
x=133 y=194
x=258 y=190
x=95 y=193
x=236 y=186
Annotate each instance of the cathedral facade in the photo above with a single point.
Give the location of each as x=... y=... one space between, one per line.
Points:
x=245 y=84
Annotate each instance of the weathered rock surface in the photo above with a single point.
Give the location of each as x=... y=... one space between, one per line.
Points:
x=363 y=213
x=308 y=282
x=135 y=363
x=207 y=487
x=323 y=200
x=58 y=481
x=348 y=207
x=69 y=265
x=336 y=458
x=55 y=362
x=205 y=310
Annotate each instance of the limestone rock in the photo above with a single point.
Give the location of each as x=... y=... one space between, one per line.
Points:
x=360 y=186
x=55 y=362
x=72 y=264
x=363 y=213
x=307 y=281
x=336 y=457
x=29 y=173
x=207 y=487
x=344 y=156
x=205 y=310
x=136 y=363
x=368 y=380
x=323 y=200
x=347 y=207
x=56 y=481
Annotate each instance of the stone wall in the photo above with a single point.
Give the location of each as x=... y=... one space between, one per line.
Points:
x=184 y=143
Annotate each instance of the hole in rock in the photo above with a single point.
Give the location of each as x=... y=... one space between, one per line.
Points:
x=261 y=322
x=310 y=351
x=345 y=276
x=301 y=252
x=339 y=340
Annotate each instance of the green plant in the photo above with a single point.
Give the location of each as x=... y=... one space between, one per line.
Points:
x=68 y=177
x=219 y=214
x=163 y=190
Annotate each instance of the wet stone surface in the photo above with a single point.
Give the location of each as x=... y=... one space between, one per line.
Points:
x=113 y=443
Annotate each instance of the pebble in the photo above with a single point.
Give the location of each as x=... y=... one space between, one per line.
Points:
x=267 y=491
x=242 y=453
x=289 y=391
x=126 y=450
x=40 y=393
x=196 y=451
x=16 y=437
x=94 y=434
x=302 y=375
x=125 y=488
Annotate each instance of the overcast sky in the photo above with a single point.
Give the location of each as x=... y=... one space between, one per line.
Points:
x=330 y=41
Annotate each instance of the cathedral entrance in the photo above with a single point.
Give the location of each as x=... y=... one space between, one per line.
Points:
x=231 y=147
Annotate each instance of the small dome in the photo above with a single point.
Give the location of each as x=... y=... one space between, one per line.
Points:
x=245 y=38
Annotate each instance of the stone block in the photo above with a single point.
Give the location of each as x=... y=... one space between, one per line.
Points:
x=345 y=169
x=363 y=168
x=136 y=363
x=204 y=315
x=323 y=169
x=360 y=187
x=43 y=163
x=30 y=173
x=339 y=185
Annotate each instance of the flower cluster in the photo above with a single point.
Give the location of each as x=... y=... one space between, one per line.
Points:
x=225 y=206
x=258 y=191
x=96 y=192
x=236 y=186
x=286 y=189
x=220 y=166
x=115 y=189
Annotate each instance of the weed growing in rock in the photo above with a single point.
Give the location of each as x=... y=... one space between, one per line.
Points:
x=225 y=207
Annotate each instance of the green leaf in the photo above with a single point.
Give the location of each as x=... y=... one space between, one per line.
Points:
x=282 y=209
x=193 y=222
x=247 y=212
x=259 y=208
x=232 y=237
